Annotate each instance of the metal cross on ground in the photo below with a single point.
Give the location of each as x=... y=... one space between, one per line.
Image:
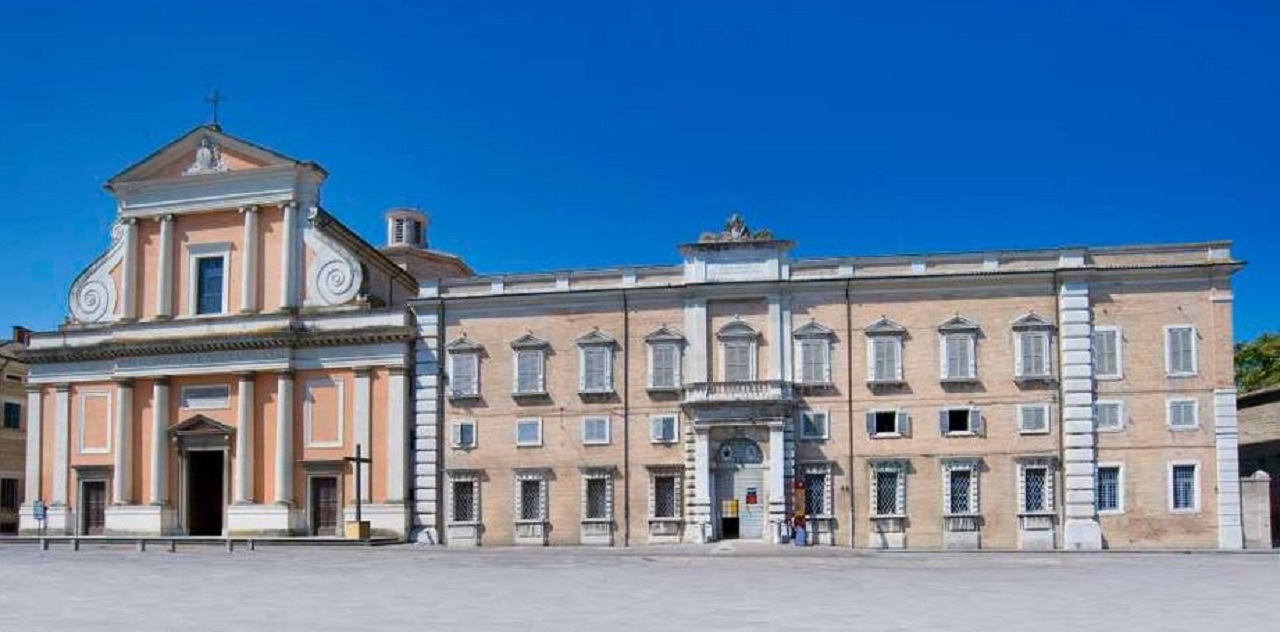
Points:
x=357 y=461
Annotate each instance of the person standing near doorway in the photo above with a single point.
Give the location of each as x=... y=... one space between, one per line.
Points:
x=799 y=533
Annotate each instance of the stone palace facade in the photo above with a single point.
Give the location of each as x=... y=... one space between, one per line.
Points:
x=237 y=341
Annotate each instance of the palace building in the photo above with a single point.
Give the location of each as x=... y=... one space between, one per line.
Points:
x=237 y=342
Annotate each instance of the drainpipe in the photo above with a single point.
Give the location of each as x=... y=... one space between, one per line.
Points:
x=848 y=346
x=626 y=421
x=441 y=428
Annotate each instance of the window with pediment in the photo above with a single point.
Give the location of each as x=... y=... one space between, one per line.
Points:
x=665 y=351
x=738 y=344
x=958 y=338
x=464 y=367
x=1031 y=335
x=884 y=352
x=595 y=361
x=529 y=356
x=813 y=343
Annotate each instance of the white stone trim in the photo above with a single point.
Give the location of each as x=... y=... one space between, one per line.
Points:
x=284 y=459
x=1081 y=529
x=397 y=435
x=159 y=448
x=122 y=456
x=1120 y=413
x=334 y=275
x=608 y=429
x=308 y=414
x=81 y=398
x=34 y=454
x=129 y=270
x=363 y=424
x=528 y=444
x=61 y=447
x=249 y=260
x=93 y=294
x=184 y=402
x=246 y=406
x=289 y=260
x=164 y=269
x=197 y=252
x=1169 y=403
x=1227 y=459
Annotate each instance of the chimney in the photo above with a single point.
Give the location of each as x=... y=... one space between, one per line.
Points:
x=21 y=335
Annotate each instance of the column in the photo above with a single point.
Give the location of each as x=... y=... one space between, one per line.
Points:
x=35 y=423
x=156 y=495
x=249 y=266
x=122 y=452
x=1226 y=433
x=164 y=270
x=284 y=439
x=397 y=402
x=363 y=433
x=129 y=270
x=242 y=490
x=779 y=339
x=61 y=434
x=700 y=506
x=288 y=258
x=1079 y=456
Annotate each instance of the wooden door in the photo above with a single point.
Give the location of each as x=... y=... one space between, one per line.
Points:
x=324 y=505
x=94 y=505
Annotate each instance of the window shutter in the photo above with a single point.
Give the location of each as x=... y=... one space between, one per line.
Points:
x=820 y=423
x=971 y=350
x=457 y=434
x=1020 y=358
x=539 y=366
x=871 y=423
x=606 y=357
x=975 y=421
x=904 y=423
x=894 y=349
x=942 y=422
x=826 y=361
x=655 y=430
x=873 y=357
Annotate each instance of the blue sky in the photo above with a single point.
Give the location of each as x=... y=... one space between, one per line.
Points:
x=556 y=135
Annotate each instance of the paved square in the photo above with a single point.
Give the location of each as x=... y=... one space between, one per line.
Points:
x=407 y=588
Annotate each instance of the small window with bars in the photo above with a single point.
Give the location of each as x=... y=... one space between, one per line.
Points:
x=888 y=489
x=465 y=503
x=1035 y=489
x=961 y=487
x=1108 y=492
x=817 y=491
x=1183 y=494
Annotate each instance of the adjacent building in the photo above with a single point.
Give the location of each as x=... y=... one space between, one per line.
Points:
x=13 y=428
x=237 y=342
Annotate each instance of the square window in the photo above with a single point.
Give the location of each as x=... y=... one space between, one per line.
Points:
x=211 y=397
x=529 y=432
x=1033 y=419
x=1109 y=416
x=595 y=430
x=663 y=429
x=885 y=422
x=464 y=434
x=813 y=425
x=1183 y=414
x=959 y=421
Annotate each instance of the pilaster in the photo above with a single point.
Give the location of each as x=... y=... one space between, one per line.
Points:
x=129 y=271
x=363 y=434
x=778 y=476
x=397 y=402
x=35 y=455
x=1081 y=529
x=427 y=424
x=1226 y=436
x=61 y=437
x=695 y=330
x=289 y=258
x=699 y=509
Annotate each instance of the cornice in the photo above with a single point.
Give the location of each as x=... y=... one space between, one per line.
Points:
x=288 y=339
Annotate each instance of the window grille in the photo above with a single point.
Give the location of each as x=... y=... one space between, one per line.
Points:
x=1108 y=489
x=1184 y=487
x=887 y=493
x=815 y=494
x=960 y=499
x=464 y=501
x=1034 y=496
x=665 y=494
x=597 y=494
x=530 y=499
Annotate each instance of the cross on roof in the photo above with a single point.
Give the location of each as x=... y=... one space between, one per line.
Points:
x=214 y=100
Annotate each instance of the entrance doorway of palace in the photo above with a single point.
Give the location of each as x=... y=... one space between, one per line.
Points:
x=739 y=487
x=206 y=496
x=325 y=505
x=93 y=507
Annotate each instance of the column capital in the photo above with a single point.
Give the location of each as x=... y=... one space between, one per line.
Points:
x=397 y=371
x=244 y=376
x=164 y=219
x=284 y=373
x=130 y=221
x=33 y=389
x=362 y=371
x=291 y=204
x=160 y=380
x=250 y=208
x=63 y=387
x=123 y=382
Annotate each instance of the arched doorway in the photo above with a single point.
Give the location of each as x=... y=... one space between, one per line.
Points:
x=739 y=486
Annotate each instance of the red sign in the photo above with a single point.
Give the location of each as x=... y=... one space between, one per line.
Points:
x=751 y=496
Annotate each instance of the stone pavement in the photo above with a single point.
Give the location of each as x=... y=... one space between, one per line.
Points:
x=678 y=588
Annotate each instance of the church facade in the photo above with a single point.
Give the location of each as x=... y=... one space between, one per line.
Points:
x=237 y=342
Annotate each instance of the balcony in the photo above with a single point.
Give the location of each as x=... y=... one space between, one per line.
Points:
x=725 y=392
